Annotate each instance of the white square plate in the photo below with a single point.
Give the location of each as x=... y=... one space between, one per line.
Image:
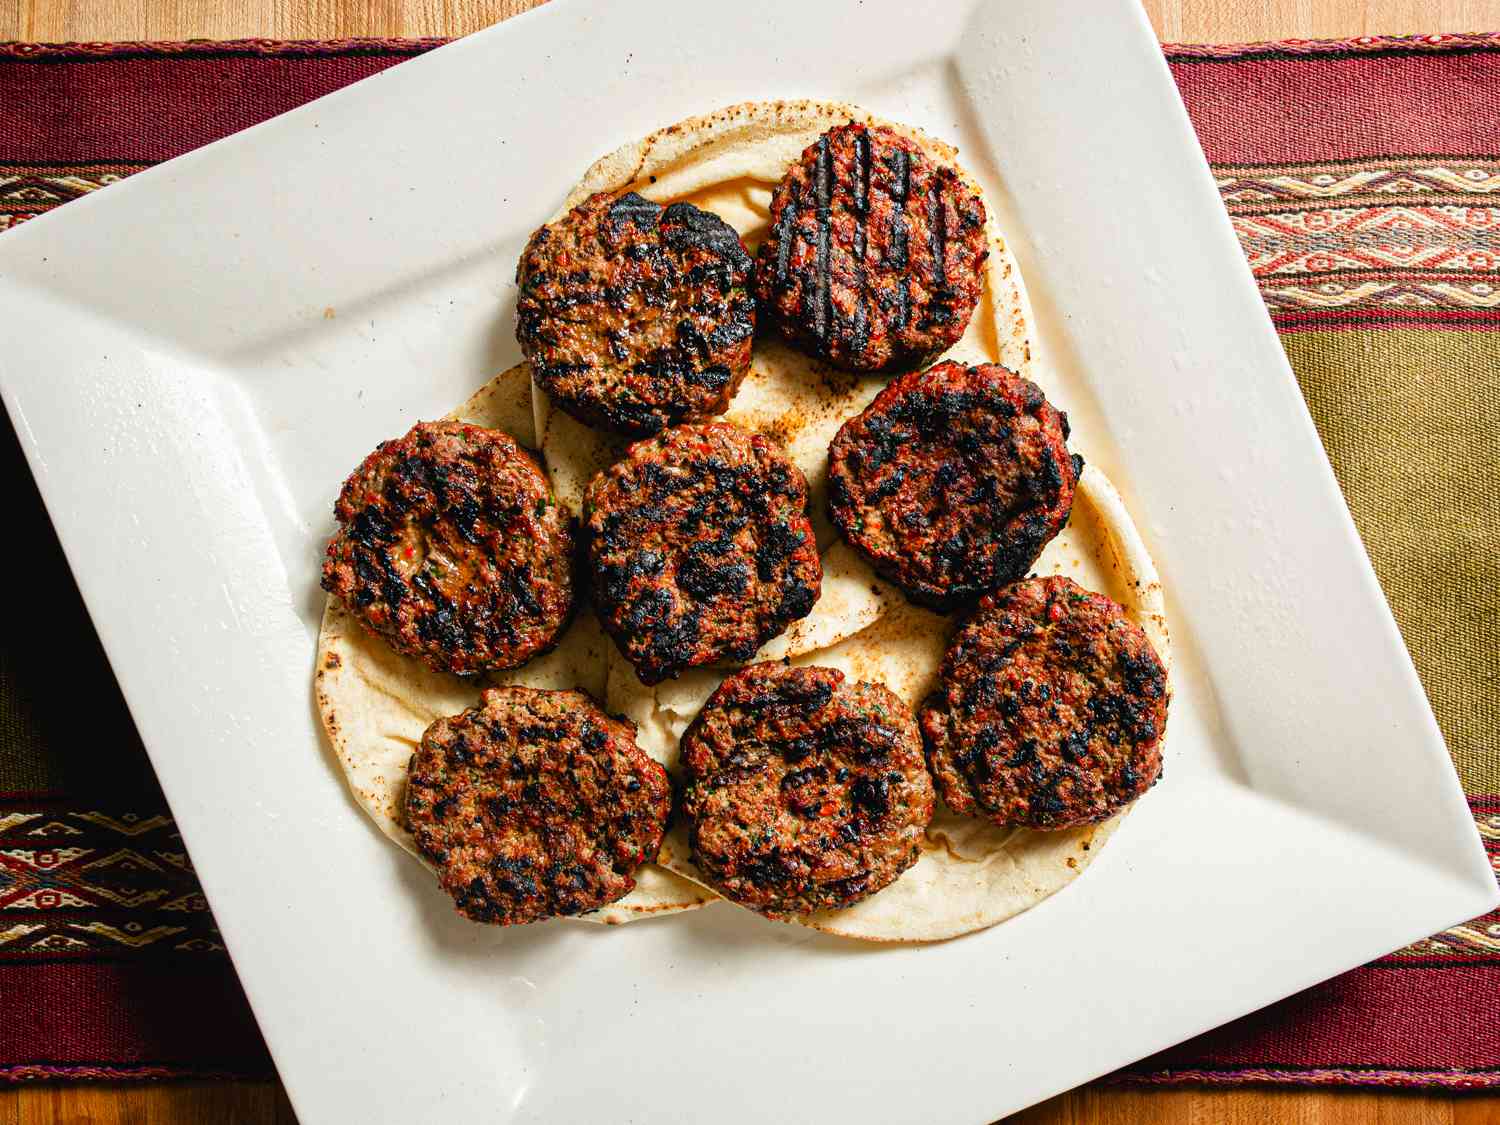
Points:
x=189 y=408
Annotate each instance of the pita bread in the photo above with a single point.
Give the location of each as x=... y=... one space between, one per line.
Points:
x=729 y=162
x=971 y=874
x=375 y=703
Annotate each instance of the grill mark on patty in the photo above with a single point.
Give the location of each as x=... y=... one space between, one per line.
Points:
x=860 y=333
x=786 y=230
x=823 y=201
x=937 y=245
x=688 y=227
x=632 y=209
x=899 y=255
x=859 y=266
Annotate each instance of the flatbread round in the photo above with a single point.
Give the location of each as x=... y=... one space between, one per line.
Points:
x=375 y=703
x=729 y=163
x=972 y=874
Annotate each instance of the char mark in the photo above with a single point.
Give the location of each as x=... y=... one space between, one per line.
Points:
x=872 y=794
x=900 y=168
x=823 y=200
x=937 y=236
x=371 y=529
x=812 y=697
x=860 y=334
x=687 y=227
x=786 y=232
x=633 y=210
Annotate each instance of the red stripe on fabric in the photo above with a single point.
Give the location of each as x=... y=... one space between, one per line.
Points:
x=1318 y=1076
x=129 y=49
x=1389 y=318
x=1371 y=324
x=1275 y=281
x=1260 y=111
x=1372 y=1018
x=1252 y=110
x=144 y=110
x=1491 y=316
x=184 y=1012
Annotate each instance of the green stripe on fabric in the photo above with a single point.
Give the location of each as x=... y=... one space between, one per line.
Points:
x=1411 y=422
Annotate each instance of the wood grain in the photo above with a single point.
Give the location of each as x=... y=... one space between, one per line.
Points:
x=1180 y=21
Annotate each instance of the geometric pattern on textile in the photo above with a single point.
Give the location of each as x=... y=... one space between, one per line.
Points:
x=1397 y=240
x=83 y=883
x=26 y=191
x=1476 y=941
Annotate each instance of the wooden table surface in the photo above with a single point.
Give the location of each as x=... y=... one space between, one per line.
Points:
x=1181 y=21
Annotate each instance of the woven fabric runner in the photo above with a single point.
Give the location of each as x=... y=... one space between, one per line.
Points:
x=1363 y=178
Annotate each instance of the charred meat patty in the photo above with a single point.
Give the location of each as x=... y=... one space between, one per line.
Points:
x=451 y=546
x=535 y=803
x=803 y=791
x=699 y=548
x=1050 y=709
x=952 y=480
x=875 y=253
x=635 y=316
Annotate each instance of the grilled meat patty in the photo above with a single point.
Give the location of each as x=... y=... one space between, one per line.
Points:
x=699 y=548
x=952 y=480
x=533 y=804
x=635 y=316
x=1050 y=709
x=803 y=791
x=451 y=546
x=875 y=253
